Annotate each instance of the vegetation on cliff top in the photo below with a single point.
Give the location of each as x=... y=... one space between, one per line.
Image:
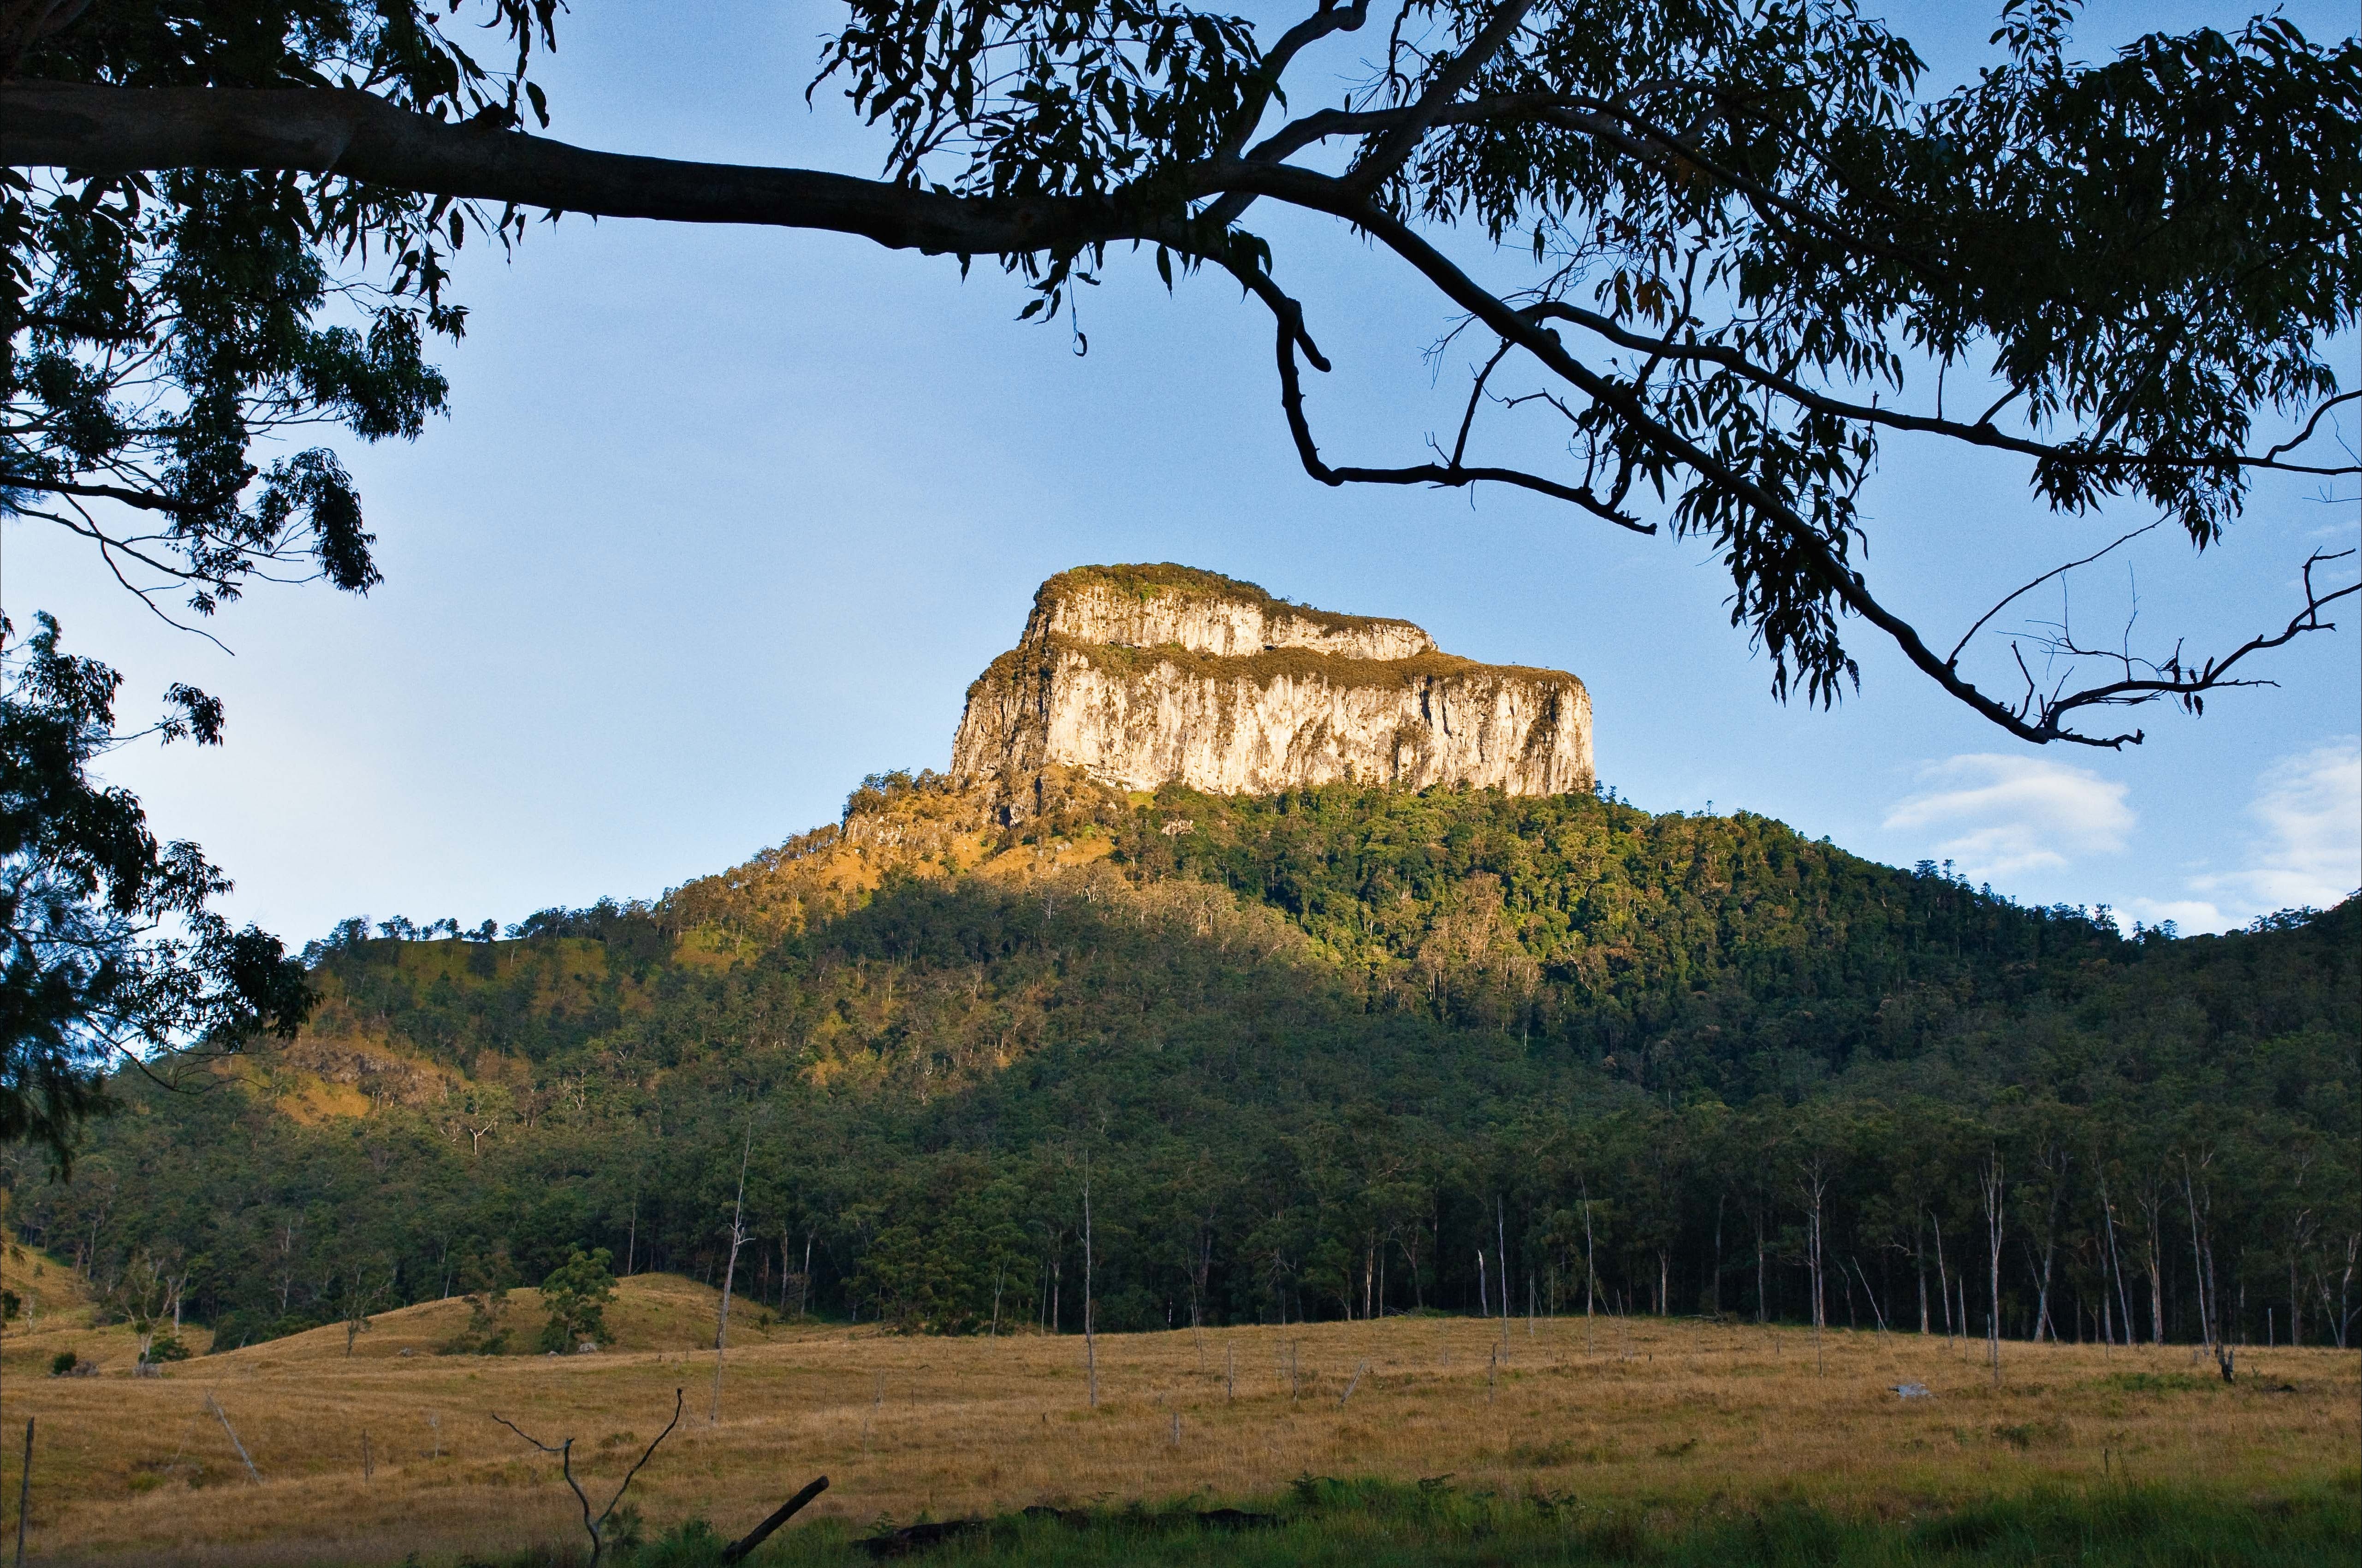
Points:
x=1262 y=668
x=1146 y=581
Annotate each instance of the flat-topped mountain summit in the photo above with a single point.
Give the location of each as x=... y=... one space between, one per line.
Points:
x=1142 y=676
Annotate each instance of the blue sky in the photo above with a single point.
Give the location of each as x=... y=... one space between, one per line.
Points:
x=725 y=519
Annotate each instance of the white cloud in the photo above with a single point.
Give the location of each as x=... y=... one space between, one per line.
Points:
x=2308 y=846
x=2190 y=915
x=2007 y=814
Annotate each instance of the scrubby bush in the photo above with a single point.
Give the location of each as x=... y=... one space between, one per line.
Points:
x=577 y=1294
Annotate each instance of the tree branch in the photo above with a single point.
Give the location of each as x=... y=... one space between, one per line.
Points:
x=2187 y=684
x=146 y=500
x=1450 y=83
x=649 y=1454
x=2311 y=425
x=2038 y=720
x=1331 y=18
x=1289 y=317
x=1476 y=396
x=1980 y=434
x=564 y=1451
x=1954 y=657
x=348 y=132
x=594 y=1526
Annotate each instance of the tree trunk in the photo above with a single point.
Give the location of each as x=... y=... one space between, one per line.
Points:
x=1988 y=1182
x=1714 y=1290
x=1090 y=1328
x=730 y=1276
x=1919 y=1266
x=1943 y=1278
x=2058 y=1166
x=1762 y=1304
x=2116 y=1262
x=1501 y=1243
x=1590 y=1255
x=2202 y=1264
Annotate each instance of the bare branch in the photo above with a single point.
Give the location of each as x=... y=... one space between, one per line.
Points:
x=1382 y=160
x=107 y=546
x=2311 y=425
x=644 y=1457
x=1954 y=657
x=564 y=1451
x=592 y=1526
x=1447 y=476
x=1475 y=396
x=737 y=1551
x=2178 y=681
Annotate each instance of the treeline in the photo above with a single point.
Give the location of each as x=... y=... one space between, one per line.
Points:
x=1326 y=1055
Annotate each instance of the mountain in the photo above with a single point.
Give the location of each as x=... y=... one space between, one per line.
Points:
x=1142 y=676
x=1313 y=1053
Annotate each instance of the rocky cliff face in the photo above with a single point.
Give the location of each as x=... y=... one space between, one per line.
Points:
x=1143 y=676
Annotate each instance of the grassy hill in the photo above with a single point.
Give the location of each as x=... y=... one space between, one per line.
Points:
x=651 y=1312
x=1324 y=1055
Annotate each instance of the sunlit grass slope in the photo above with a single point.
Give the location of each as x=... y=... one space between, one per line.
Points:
x=1669 y=1423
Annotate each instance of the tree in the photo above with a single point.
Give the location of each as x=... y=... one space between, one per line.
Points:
x=487 y=1276
x=108 y=951
x=577 y=1293
x=358 y=1298
x=1737 y=249
x=144 y=1297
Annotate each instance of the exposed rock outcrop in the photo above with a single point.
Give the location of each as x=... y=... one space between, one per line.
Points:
x=1150 y=675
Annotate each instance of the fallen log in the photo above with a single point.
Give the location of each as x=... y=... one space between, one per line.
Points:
x=762 y=1532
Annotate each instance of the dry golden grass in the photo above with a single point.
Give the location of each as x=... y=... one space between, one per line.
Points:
x=55 y=1304
x=1674 y=1414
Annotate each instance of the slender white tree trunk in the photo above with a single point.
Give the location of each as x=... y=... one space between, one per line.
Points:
x=729 y=1274
x=1989 y=1181
x=1091 y=1325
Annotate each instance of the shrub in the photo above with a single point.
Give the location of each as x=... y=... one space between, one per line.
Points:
x=577 y=1294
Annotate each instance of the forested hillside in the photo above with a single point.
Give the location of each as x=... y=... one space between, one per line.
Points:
x=1319 y=1054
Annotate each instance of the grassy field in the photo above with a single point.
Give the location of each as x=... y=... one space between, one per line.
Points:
x=1683 y=1431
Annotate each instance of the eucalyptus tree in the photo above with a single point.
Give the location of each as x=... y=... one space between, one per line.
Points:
x=1724 y=250
x=109 y=949
x=1730 y=245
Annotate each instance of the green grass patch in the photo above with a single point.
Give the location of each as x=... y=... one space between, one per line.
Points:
x=1327 y=1523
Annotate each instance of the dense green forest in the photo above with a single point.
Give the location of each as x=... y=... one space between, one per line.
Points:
x=1327 y=1054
